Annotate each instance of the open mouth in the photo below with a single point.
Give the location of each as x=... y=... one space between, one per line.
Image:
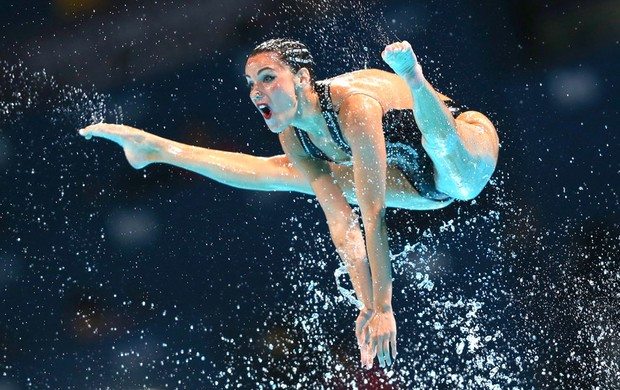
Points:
x=265 y=110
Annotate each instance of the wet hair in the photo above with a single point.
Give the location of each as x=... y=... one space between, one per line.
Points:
x=293 y=53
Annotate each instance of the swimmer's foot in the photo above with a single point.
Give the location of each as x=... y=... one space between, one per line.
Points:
x=141 y=148
x=400 y=57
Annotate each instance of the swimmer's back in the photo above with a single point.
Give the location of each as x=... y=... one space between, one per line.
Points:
x=388 y=89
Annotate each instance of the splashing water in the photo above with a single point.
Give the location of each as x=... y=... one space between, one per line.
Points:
x=459 y=327
x=25 y=91
x=347 y=294
x=485 y=296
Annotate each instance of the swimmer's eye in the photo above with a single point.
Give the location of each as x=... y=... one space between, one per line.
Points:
x=268 y=79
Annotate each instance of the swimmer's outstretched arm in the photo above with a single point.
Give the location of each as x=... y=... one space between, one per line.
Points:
x=345 y=231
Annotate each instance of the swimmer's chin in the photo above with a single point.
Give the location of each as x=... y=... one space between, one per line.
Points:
x=277 y=129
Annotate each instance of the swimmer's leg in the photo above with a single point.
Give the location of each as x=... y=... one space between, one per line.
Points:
x=464 y=151
x=245 y=171
x=234 y=169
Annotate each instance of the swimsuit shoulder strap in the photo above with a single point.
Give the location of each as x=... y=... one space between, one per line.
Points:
x=330 y=116
x=309 y=147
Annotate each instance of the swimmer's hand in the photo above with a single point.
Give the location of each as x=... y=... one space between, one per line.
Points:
x=400 y=57
x=141 y=148
x=360 y=334
x=380 y=335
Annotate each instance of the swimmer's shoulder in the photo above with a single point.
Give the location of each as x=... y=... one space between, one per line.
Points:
x=363 y=78
x=385 y=87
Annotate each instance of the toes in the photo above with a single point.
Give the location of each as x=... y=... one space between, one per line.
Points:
x=86 y=133
x=398 y=47
x=391 y=48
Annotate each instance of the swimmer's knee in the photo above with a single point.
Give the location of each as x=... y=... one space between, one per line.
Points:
x=467 y=185
x=462 y=192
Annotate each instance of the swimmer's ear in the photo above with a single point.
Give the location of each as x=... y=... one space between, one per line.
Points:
x=303 y=76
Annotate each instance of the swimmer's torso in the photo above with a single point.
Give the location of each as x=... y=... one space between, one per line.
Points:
x=388 y=89
x=403 y=139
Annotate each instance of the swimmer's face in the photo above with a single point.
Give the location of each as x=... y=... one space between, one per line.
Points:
x=272 y=89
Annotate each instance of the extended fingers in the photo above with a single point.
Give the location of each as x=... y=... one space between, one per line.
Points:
x=360 y=333
x=380 y=352
x=393 y=342
x=370 y=357
x=380 y=339
x=367 y=337
x=386 y=351
x=366 y=357
x=383 y=351
x=383 y=346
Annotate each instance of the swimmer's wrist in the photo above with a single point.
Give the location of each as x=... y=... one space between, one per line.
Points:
x=384 y=308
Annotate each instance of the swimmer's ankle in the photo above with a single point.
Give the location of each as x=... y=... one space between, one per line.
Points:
x=414 y=77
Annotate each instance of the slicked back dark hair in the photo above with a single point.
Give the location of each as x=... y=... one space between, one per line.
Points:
x=293 y=53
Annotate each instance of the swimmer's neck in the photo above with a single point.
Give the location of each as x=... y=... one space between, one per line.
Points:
x=309 y=117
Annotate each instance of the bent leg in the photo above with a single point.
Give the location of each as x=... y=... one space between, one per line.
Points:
x=464 y=151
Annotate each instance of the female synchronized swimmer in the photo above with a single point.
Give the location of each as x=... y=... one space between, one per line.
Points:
x=370 y=138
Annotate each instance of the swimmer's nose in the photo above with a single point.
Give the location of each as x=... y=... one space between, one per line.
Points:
x=256 y=96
